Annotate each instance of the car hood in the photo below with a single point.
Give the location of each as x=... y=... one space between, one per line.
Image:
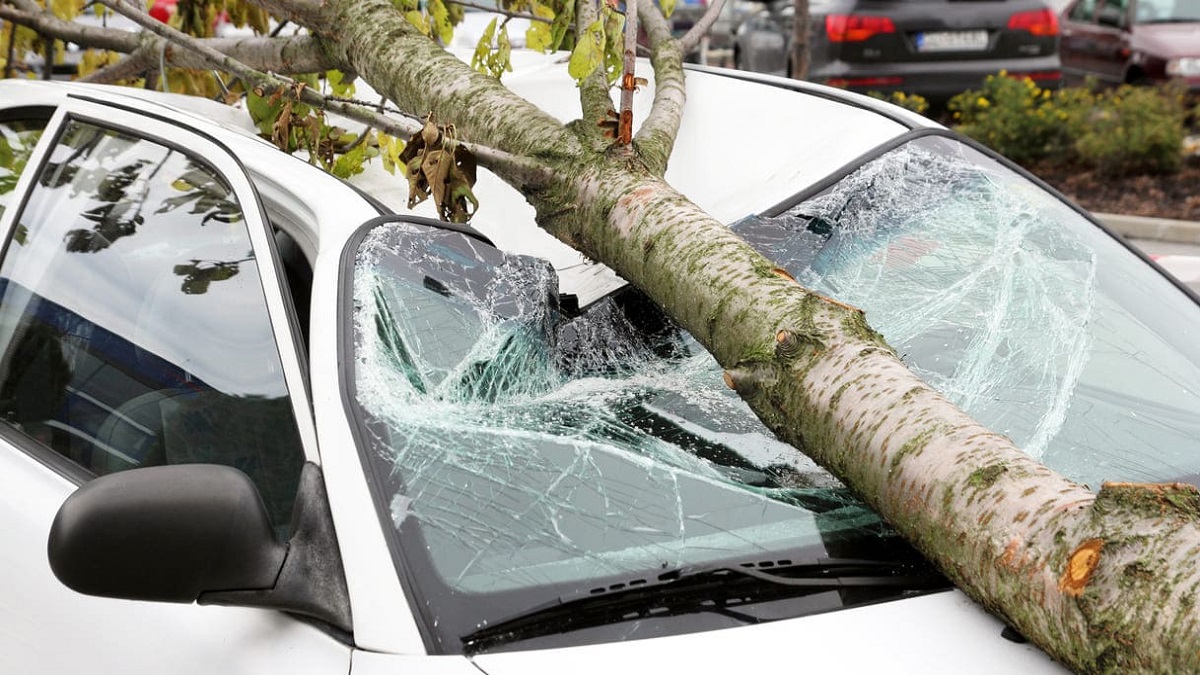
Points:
x=1169 y=40
x=936 y=633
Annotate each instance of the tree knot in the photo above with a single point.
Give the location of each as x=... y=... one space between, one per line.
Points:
x=1080 y=566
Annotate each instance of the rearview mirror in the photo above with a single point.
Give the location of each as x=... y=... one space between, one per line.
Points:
x=165 y=533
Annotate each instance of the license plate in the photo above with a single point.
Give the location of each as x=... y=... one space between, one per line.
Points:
x=953 y=41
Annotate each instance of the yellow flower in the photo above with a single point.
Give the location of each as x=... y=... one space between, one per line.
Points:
x=982 y=102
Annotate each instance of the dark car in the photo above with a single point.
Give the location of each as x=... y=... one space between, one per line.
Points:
x=1132 y=41
x=935 y=48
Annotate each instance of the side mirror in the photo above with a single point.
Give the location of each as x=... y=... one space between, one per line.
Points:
x=165 y=533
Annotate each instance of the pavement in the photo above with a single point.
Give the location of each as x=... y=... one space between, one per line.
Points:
x=1156 y=229
x=1173 y=244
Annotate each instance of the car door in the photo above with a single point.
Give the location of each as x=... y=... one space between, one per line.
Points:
x=1077 y=48
x=1095 y=41
x=142 y=322
x=1113 y=18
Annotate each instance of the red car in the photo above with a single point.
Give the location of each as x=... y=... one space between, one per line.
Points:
x=1131 y=41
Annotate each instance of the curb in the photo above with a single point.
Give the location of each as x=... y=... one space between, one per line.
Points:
x=1159 y=229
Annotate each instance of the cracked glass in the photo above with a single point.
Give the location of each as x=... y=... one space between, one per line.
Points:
x=527 y=454
x=1025 y=314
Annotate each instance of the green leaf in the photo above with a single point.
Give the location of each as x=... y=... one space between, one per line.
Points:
x=588 y=53
x=614 y=52
x=483 y=49
x=538 y=37
x=443 y=28
x=390 y=149
x=503 y=57
x=418 y=21
x=6 y=153
x=66 y=9
x=264 y=112
x=350 y=163
x=338 y=84
x=668 y=7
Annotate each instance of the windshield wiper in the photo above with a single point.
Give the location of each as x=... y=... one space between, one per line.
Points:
x=717 y=588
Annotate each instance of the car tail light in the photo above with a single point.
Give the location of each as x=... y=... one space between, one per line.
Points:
x=846 y=82
x=856 y=28
x=1037 y=75
x=1040 y=22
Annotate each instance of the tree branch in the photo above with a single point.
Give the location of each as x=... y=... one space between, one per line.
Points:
x=129 y=66
x=656 y=138
x=501 y=11
x=594 y=100
x=629 y=75
x=692 y=38
x=302 y=12
x=532 y=173
x=298 y=54
x=46 y=24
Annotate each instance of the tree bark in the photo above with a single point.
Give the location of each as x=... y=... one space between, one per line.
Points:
x=1104 y=582
x=801 y=48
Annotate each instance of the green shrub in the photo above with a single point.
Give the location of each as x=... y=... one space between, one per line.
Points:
x=1134 y=130
x=1123 y=131
x=913 y=102
x=1016 y=118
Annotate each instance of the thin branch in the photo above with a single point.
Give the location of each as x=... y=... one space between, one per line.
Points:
x=594 y=100
x=501 y=11
x=692 y=38
x=302 y=12
x=656 y=137
x=112 y=39
x=533 y=173
x=129 y=66
x=296 y=54
x=628 y=75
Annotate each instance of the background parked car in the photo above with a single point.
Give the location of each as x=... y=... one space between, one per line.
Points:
x=935 y=48
x=1132 y=41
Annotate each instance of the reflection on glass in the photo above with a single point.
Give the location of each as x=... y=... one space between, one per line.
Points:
x=17 y=138
x=133 y=325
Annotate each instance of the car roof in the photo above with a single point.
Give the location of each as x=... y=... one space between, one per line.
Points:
x=746 y=142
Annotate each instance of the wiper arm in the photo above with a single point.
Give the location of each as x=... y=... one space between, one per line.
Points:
x=709 y=588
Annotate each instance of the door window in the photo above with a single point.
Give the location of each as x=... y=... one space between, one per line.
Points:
x=133 y=326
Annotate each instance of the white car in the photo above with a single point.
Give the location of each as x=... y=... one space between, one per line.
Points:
x=465 y=450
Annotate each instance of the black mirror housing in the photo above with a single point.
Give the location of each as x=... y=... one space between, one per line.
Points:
x=165 y=533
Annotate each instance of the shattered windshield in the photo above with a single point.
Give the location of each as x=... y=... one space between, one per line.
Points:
x=529 y=454
x=1033 y=320
x=526 y=453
